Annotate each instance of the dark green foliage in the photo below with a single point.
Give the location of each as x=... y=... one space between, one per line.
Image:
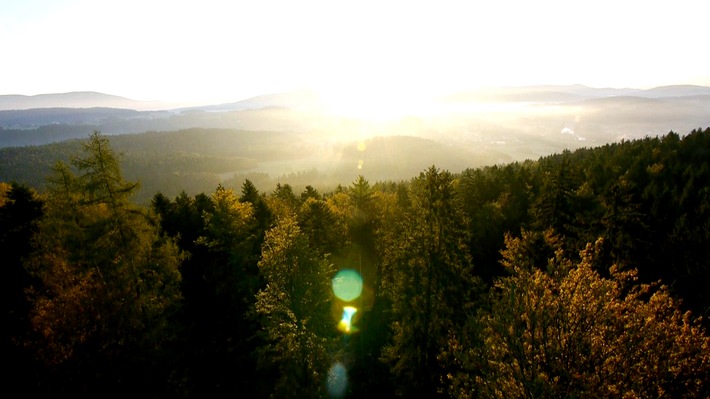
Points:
x=496 y=201
x=220 y=278
x=20 y=211
x=319 y=224
x=294 y=312
x=554 y=205
x=429 y=281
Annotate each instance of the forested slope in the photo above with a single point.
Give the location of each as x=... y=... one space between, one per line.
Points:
x=580 y=274
x=197 y=160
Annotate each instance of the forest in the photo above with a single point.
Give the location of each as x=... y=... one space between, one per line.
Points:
x=581 y=274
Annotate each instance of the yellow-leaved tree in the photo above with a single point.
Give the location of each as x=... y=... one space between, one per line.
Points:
x=568 y=332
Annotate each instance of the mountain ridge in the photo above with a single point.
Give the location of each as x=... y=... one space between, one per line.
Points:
x=76 y=99
x=312 y=99
x=522 y=115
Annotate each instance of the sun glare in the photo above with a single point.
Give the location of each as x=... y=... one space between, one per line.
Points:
x=376 y=104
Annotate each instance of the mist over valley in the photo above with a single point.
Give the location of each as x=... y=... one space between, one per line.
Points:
x=299 y=137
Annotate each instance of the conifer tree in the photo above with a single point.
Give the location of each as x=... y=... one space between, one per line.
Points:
x=429 y=281
x=109 y=283
x=294 y=310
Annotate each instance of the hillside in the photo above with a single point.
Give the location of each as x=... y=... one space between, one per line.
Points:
x=195 y=160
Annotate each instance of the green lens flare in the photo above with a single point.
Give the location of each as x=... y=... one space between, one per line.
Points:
x=347 y=285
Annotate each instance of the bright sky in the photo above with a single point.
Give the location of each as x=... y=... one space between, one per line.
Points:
x=222 y=51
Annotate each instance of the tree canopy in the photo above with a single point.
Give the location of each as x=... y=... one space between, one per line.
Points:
x=579 y=274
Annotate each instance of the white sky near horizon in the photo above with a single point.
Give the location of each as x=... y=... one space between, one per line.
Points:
x=213 y=51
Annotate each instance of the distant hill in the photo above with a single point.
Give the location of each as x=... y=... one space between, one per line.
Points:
x=536 y=94
x=473 y=128
x=36 y=117
x=78 y=99
x=676 y=91
x=298 y=99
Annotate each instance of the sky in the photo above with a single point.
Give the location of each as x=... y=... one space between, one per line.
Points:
x=213 y=51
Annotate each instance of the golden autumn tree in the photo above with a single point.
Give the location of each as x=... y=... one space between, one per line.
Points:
x=567 y=332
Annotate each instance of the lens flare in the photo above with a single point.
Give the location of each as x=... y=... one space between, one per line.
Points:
x=346 y=321
x=337 y=380
x=347 y=285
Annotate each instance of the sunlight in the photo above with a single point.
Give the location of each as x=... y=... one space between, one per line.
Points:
x=377 y=105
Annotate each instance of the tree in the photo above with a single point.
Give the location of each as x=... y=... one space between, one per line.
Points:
x=310 y=192
x=554 y=204
x=429 y=281
x=283 y=202
x=108 y=281
x=261 y=209
x=21 y=209
x=318 y=222
x=567 y=332
x=294 y=309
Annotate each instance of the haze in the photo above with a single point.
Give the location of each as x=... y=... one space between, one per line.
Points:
x=364 y=56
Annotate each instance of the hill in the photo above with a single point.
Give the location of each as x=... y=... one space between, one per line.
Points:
x=196 y=160
x=78 y=99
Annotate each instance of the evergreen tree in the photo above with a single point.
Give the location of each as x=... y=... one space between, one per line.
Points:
x=554 y=206
x=294 y=309
x=109 y=283
x=318 y=222
x=429 y=281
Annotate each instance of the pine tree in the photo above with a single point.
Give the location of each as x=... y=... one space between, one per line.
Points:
x=429 y=281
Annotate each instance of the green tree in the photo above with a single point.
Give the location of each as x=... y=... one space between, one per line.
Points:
x=429 y=281
x=554 y=205
x=262 y=213
x=319 y=223
x=283 y=202
x=294 y=309
x=109 y=282
x=310 y=192
x=221 y=279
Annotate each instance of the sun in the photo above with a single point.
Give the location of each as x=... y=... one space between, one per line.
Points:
x=377 y=104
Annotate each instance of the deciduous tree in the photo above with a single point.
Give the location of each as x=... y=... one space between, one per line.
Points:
x=567 y=332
